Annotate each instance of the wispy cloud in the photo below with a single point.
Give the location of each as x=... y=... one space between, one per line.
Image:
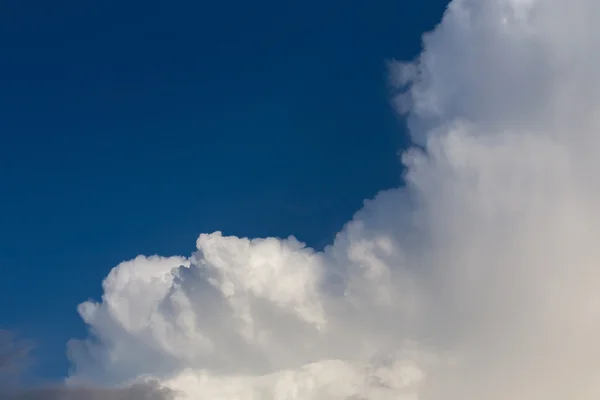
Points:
x=14 y=354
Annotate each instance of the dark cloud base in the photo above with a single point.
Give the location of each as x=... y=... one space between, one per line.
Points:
x=138 y=392
x=15 y=357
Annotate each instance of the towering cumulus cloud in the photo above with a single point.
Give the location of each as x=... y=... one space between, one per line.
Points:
x=478 y=279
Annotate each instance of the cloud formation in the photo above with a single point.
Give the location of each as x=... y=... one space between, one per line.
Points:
x=135 y=392
x=478 y=279
x=15 y=357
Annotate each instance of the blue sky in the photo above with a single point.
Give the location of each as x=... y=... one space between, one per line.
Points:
x=130 y=127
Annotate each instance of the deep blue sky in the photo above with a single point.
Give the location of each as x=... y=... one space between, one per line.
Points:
x=130 y=127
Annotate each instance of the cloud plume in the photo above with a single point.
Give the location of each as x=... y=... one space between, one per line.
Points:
x=478 y=279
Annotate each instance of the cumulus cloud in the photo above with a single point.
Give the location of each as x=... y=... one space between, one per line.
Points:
x=478 y=279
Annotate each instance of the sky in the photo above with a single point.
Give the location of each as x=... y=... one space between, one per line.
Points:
x=467 y=270
x=130 y=128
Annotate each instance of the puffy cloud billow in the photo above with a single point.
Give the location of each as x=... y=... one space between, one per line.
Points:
x=478 y=279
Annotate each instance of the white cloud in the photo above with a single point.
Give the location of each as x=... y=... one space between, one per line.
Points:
x=476 y=280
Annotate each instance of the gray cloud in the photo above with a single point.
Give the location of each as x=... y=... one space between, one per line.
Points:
x=136 y=392
x=15 y=356
x=14 y=353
